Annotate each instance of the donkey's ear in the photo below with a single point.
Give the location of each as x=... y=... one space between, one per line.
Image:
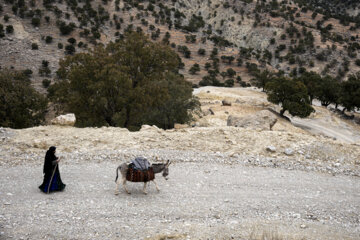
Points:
x=168 y=163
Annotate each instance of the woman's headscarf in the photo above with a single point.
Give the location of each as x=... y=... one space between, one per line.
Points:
x=49 y=157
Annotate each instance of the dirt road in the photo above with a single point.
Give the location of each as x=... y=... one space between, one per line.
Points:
x=199 y=201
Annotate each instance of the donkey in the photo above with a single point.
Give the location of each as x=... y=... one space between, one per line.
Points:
x=157 y=167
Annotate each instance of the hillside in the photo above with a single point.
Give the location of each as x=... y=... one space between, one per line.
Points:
x=280 y=36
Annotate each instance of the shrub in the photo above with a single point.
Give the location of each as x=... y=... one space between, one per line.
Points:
x=9 y=29
x=60 y=45
x=46 y=83
x=2 y=34
x=48 y=39
x=357 y=62
x=229 y=83
x=195 y=23
x=69 y=49
x=201 y=51
x=194 y=69
x=64 y=28
x=35 y=21
x=230 y=72
x=28 y=72
x=72 y=41
x=34 y=46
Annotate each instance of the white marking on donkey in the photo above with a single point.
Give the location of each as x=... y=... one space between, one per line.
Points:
x=157 y=167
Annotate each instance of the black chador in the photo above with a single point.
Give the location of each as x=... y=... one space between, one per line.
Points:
x=52 y=180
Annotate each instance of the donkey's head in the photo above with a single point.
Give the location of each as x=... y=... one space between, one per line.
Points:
x=166 y=170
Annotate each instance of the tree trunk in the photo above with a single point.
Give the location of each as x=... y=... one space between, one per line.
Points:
x=127 y=118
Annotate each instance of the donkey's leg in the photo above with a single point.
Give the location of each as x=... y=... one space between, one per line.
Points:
x=124 y=185
x=117 y=187
x=144 y=190
x=157 y=188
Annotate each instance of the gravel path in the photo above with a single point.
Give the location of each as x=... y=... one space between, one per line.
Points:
x=199 y=201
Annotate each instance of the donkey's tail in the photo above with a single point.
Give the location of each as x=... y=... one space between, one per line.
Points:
x=117 y=173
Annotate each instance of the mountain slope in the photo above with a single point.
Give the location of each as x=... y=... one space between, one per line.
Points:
x=279 y=36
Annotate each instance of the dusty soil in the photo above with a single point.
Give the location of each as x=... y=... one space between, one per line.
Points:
x=223 y=183
x=206 y=200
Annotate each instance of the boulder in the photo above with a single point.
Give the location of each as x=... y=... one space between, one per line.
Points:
x=180 y=126
x=263 y=120
x=289 y=151
x=271 y=149
x=226 y=102
x=208 y=112
x=64 y=120
x=146 y=127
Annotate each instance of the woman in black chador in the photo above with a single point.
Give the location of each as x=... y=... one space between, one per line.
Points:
x=52 y=180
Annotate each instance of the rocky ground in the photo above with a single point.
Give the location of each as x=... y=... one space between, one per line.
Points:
x=225 y=182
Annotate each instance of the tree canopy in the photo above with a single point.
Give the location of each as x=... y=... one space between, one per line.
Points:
x=329 y=92
x=350 y=92
x=261 y=78
x=20 y=105
x=291 y=94
x=125 y=84
x=313 y=82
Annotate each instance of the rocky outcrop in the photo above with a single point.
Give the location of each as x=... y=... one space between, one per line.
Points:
x=263 y=120
x=64 y=120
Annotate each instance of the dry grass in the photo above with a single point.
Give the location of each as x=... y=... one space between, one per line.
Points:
x=168 y=237
x=270 y=234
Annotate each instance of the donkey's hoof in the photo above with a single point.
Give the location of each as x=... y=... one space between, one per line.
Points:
x=128 y=193
x=145 y=193
x=116 y=193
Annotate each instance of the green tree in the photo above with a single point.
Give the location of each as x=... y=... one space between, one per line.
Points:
x=194 y=69
x=350 y=93
x=229 y=83
x=261 y=79
x=202 y=52
x=126 y=84
x=20 y=105
x=329 y=91
x=175 y=108
x=291 y=95
x=312 y=81
x=230 y=72
x=35 y=21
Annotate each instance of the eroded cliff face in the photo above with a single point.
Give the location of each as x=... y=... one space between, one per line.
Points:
x=226 y=20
